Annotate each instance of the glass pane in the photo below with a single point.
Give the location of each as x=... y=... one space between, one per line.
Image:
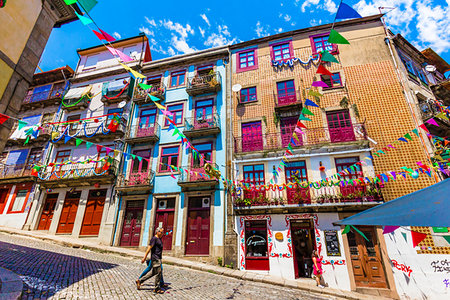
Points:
x=171 y=150
x=250 y=63
x=256 y=242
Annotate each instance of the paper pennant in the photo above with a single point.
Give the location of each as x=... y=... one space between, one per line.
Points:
x=336 y=38
x=67 y=138
x=310 y=103
x=424 y=127
x=346 y=229
x=301 y=125
x=70 y=2
x=160 y=106
x=3 y=118
x=108 y=150
x=346 y=12
x=298 y=130
x=416 y=132
x=442 y=115
x=360 y=232
x=417 y=237
x=87 y=5
x=22 y=124
x=408 y=136
x=389 y=229
x=319 y=84
x=84 y=20
x=314 y=93
x=306 y=111
x=303 y=118
x=119 y=53
x=153 y=98
x=322 y=70
x=405 y=236
x=403 y=139
x=116 y=152
x=55 y=135
x=145 y=86
x=432 y=122
x=88 y=145
x=327 y=56
x=133 y=156
x=394 y=175
x=78 y=142
x=99 y=148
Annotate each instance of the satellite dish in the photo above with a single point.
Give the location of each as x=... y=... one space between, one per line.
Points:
x=430 y=68
x=236 y=87
x=122 y=104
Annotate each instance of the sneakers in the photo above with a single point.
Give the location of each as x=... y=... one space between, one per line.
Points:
x=138 y=284
x=321 y=286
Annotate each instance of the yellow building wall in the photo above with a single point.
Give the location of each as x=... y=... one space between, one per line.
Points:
x=6 y=73
x=17 y=18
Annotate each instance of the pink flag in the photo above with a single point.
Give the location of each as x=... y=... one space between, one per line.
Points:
x=389 y=229
x=107 y=36
x=166 y=113
x=120 y=54
x=107 y=150
x=320 y=84
x=433 y=122
x=298 y=130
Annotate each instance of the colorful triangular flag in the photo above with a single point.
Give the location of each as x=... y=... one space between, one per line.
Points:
x=306 y=111
x=88 y=145
x=327 y=56
x=84 y=20
x=145 y=86
x=303 y=118
x=3 y=118
x=408 y=136
x=417 y=237
x=432 y=122
x=336 y=38
x=22 y=124
x=389 y=229
x=310 y=103
x=319 y=83
x=78 y=142
x=322 y=70
x=346 y=12
x=87 y=5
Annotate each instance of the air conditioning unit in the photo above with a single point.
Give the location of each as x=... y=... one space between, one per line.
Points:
x=205 y=202
x=162 y=204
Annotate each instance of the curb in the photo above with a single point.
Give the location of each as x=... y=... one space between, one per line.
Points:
x=243 y=275
x=10 y=285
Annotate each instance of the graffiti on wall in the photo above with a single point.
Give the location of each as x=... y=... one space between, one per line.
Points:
x=401 y=267
x=441 y=266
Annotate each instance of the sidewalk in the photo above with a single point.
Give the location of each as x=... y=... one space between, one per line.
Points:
x=302 y=284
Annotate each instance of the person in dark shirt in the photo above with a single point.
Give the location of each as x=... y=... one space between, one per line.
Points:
x=156 y=248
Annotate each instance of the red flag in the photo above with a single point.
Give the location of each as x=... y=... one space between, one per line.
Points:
x=424 y=127
x=417 y=237
x=322 y=70
x=99 y=148
x=104 y=36
x=113 y=125
x=300 y=124
x=3 y=118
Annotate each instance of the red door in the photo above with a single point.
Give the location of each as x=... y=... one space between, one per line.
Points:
x=252 y=139
x=197 y=238
x=47 y=212
x=164 y=218
x=69 y=212
x=340 y=126
x=287 y=129
x=4 y=193
x=131 y=230
x=93 y=213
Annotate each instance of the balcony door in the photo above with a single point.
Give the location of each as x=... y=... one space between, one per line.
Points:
x=340 y=126
x=254 y=176
x=287 y=126
x=147 y=121
x=197 y=164
x=252 y=139
x=61 y=156
x=286 y=92
x=296 y=171
x=345 y=163
x=204 y=113
x=139 y=172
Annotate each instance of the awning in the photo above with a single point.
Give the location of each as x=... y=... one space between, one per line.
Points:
x=115 y=85
x=31 y=121
x=428 y=207
x=77 y=92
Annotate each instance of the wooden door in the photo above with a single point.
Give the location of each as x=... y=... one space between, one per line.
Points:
x=368 y=269
x=69 y=212
x=165 y=220
x=340 y=126
x=47 y=212
x=93 y=213
x=197 y=237
x=131 y=229
x=252 y=139
x=4 y=193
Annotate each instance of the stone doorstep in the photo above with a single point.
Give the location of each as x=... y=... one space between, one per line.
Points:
x=245 y=275
x=10 y=285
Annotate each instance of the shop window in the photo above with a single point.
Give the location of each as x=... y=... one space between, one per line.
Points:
x=256 y=246
x=19 y=201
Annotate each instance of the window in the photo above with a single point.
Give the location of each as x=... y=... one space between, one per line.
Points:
x=297 y=172
x=19 y=201
x=62 y=156
x=91 y=62
x=340 y=126
x=41 y=93
x=344 y=164
x=206 y=151
x=147 y=118
x=248 y=95
x=256 y=251
x=320 y=43
x=332 y=81
x=34 y=157
x=253 y=175
x=154 y=79
x=169 y=156
x=286 y=92
x=205 y=70
x=177 y=111
x=204 y=110
x=141 y=166
x=252 y=139
x=117 y=111
x=281 y=51
x=247 y=60
x=177 y=78
x=131 y=52
x=73 y=126
x=414 y=70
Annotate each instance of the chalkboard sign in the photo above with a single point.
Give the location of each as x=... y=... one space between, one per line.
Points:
x=332 y=242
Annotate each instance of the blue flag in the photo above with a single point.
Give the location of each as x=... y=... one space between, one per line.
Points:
x=346 y=12
x=310 y=103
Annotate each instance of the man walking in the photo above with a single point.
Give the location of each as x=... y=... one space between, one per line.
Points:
x=156 y=247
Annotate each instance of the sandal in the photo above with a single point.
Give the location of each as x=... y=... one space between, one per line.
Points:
x=165 y=285
x=159 y=291
x=138 y=284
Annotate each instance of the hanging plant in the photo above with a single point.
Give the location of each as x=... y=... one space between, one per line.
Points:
x=356 y=110
x=264 y=120
x=344 y=102
x=276 y=119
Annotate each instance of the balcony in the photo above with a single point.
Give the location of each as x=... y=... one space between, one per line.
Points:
x=95 y=132
x=312 y=136
x=117 y=96
x=78 y=174
x=15 y=173
x=197 y=127
x=195 y=179
x=139 y=134
x=334 y=198
x=204 y=84
x=19 y=138
x=157 y=90
x=136 y=183
x=287 y=101
x=73 y=104
x=43 y=99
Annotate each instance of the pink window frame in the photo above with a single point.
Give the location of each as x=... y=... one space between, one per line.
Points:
x=291 y=50
x=255 y=60
x=334 y=50
x=247 y=88
x=178 y=73
x=175 y=111
x=202 y=152
x=331 y=78
x=170 y=155
x=251 y=193
x=140 y=162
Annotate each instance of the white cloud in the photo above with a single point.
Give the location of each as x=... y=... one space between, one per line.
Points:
x=287 y=18
x=171 y=51
x=202 y=32
x=293 y=24
x=151 y=22
x=314 y=22
x=262 y=30
x=156 y=48
x=280 y=15
x=183 y=31
x=433 y=26
x=146 y=31
x=307 y=3
x=330 y=6
x=224 y=30
x=279 y=30
x=205 y=18
x=217 y=40
x=117 y=35
x=181 y=45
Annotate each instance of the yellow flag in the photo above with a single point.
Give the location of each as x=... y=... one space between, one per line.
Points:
x=54 y=135
x=296 y=137
x=135 y=74
x=116 y=152
x=160 y=106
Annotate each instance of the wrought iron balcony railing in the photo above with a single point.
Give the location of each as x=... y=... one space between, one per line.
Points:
x=15 y=171
x=287 y=99
x=136 y=179
x=143 y=132
x=205 y=125
x=202 y=84
x=89 y=130
x=77 y=171
x=157 y=90
x=56 y=93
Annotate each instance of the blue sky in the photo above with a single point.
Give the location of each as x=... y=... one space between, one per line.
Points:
x=178 y=27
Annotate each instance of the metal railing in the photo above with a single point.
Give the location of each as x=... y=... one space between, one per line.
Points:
x=286 y=99
x=13 y=171
x=91 y=129
x=143 y=130
x=136 y=179
x=70 y=102
x=208 y=81
x=195 y=174
x=311 y=136
x=157 y=90
x=204 y=122
x=42 y=96
x=78 y=171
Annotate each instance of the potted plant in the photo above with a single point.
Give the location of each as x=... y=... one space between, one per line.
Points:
x=339 y=197
x=359 y=196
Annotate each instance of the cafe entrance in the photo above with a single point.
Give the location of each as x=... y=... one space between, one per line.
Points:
x=303 y=243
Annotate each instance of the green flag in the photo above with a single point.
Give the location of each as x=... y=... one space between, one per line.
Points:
x=145 y=86
x=346 y=229
x=139 y=158
x=360 y=232
x=69 y=2
x=408 y=136
x=336 y=38
x=326 y=56
x=22 y=124
x=447 y=238
x=302 y=117
x=306 y=111
x=78 y=142
x=416 y=132
x=88 y=5
x=88 y=145
x=133 y=156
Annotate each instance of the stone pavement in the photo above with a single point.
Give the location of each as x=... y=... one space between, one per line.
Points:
x=10 y=285
x=57 y=272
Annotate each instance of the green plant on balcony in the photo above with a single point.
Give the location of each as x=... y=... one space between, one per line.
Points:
x=325 y=198
x=213 y=81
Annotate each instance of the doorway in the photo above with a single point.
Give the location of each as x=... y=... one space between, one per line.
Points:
x=368 y=269
x=47 y=212
x=165 y=213
x=303 y=243
x=93 y=213
x=4 y=193
x=197 y=236
x=69 y=212
x=132 y=223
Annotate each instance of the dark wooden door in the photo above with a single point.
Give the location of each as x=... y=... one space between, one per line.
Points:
x=4 y=193
x=69 y=212
x=131 y=230
x=197 y=237
x=93 y=213
x=47 y=212
x=366 y=259
x=165 y=220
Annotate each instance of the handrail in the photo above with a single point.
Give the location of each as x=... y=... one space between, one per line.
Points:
x=197 y=123
x=42 y=96
x=201 y=81
x=142 y=130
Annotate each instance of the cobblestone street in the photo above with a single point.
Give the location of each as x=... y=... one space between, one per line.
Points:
x=53 y=271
